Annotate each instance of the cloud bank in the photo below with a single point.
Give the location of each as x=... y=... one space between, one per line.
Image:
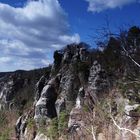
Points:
x=100 y=5
x=30 y=34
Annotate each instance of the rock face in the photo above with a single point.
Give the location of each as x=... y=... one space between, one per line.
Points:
x=5 y=88
x=11 y=84
x=75 y=119
x=60 y=105
x=45 y=106
x=97 y=81
x=39 y=86
x=66 y=91
x=41 y=137
x=69 y=86
x=21 y=126
x=9 y=87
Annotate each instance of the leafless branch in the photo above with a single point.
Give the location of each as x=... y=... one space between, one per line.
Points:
x=122 y=128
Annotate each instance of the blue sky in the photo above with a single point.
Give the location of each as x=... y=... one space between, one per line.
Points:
x=86 y=22
x=30 y=30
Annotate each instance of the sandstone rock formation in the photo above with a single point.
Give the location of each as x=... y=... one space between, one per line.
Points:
x=77 y=99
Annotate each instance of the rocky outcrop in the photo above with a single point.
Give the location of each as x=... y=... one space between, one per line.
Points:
x=69 y=86
x=39 y=86
x=9 y=86
x=21 y=126
x=45 y=105
x=60 y=105
x=75 y=119
x=41 y=136
x=74 y=99
x=98 y=80
x=16 y=87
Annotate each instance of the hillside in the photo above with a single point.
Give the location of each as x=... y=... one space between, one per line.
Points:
x=87 y=94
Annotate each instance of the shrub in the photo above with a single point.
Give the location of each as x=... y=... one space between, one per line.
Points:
x=83 y=67
x=63 y=121
x=4 y=130
x=53 y=129
x=3 y=118
x=5 y=134
x=31 y=123
x=57 y=58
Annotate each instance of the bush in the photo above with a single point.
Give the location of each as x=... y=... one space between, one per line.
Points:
x=53 y=129
x=83 y=66
x=5 y=135
x=3 y=118
x=63 y=122
x=79 y=66
x=57 y=58
x=4 y=130
x=31 y=123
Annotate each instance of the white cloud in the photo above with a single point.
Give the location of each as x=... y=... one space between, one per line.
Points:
x=100 y=5
x=4 y=60
x=67 y=39
x=29 y=35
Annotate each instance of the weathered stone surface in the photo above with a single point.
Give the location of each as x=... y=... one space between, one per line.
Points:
x=98 y=81
x=21 y=125
x=45 y=106
x=39 y=86
x=60 y=105
x=8 y=90
x=16 y=87
x=40 y=136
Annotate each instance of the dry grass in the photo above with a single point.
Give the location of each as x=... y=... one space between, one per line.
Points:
x=7 y=122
